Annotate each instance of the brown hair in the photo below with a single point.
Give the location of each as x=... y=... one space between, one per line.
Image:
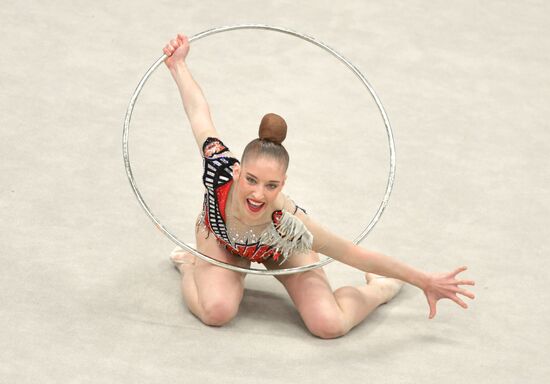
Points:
x=271 y=135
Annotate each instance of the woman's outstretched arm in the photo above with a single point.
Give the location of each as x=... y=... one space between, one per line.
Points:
x=195 y=104
x=435 y=285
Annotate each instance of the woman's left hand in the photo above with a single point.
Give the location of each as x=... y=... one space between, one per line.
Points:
x=446 y=286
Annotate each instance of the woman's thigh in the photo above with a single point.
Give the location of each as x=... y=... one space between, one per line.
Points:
x=215 y=284
x=312 y=295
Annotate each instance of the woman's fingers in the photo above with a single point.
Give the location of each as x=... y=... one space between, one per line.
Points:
x=457 y=271
x=459 y=301
x=174 y=44
x=168 y=50
x=463 y=292
x=176 y=49
x=432 y=302
x=468 y=294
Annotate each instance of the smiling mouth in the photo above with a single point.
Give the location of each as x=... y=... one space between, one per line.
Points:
x=254 y=206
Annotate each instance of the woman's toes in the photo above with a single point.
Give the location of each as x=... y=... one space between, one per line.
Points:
x=181 y=259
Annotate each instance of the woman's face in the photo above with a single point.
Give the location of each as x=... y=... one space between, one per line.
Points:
x=259 y=182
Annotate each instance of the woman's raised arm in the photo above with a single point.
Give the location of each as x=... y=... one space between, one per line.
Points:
x=195 y=104
x=435 y=285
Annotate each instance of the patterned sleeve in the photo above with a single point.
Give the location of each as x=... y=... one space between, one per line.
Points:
x=218 y=164
x=213 y=146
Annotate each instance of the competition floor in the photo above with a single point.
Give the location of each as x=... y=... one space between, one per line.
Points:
x=87 y=292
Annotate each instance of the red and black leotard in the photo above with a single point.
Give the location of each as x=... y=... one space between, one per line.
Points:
x=286 y=234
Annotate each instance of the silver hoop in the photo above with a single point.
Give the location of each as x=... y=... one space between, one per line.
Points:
x=209 y=259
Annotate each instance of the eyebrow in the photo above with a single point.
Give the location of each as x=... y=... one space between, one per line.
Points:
x=270 y=181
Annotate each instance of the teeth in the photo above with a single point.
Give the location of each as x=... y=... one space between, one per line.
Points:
x=254 y=203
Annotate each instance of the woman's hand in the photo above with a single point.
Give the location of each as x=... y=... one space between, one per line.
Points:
x=445 y=286
x=176 y=50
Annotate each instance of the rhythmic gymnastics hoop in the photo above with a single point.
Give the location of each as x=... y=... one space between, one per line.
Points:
x=171 y=236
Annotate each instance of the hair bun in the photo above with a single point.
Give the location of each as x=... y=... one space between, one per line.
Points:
x=273 y=128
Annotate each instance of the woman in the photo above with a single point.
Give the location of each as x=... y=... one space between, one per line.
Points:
x=246 y=218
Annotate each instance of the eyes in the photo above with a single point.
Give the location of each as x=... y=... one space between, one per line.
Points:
x=253 y=181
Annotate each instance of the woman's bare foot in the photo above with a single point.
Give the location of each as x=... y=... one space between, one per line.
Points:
x=182 y=259
x=388 y=287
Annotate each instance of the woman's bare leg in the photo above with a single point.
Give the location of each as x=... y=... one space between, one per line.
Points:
x=212 y=293
x=329 y=314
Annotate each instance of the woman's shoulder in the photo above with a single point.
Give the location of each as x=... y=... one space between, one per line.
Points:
x=213 y=147
x=285 y=203
x=288 y=234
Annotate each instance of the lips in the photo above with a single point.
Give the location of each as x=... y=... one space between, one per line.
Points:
x=254 y=206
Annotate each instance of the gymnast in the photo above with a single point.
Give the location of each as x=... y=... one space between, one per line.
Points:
x=246 y=217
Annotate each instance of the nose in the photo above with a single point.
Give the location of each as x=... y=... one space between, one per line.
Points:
x=258 y=193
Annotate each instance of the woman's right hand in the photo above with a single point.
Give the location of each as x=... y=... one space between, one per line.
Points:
x=176 y=50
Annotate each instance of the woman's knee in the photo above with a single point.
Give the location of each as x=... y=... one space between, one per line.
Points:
x=219 y=312
x=327 y=326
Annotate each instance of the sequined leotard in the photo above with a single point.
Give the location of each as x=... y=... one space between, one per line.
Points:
x=281 y=239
